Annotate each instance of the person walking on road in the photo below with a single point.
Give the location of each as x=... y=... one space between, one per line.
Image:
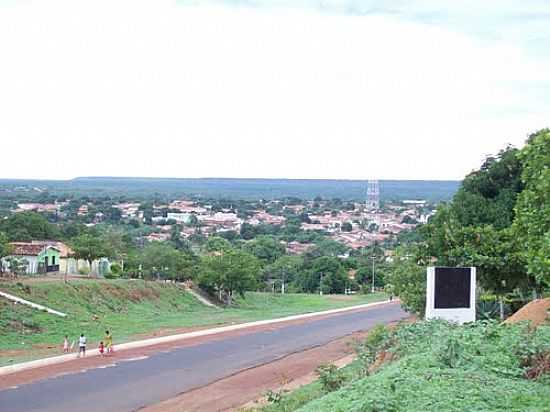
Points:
x=82 y=345
x=108 y=339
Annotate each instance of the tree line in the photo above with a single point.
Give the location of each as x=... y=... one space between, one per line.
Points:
x=498 y=221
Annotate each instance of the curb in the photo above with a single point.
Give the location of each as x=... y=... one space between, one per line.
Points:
x=6 y=370
x=31 y=304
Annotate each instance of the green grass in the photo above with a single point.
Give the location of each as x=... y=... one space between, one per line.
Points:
x=440 y=367
x=130 y=308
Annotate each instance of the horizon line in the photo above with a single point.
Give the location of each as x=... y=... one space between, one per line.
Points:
x=220 y=178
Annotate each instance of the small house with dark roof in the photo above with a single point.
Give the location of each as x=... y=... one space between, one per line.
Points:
x=38 y=257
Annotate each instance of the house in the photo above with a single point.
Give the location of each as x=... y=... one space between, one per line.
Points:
x=64 y=262
x=37 y=257
x=82 y=210
x=179 y=217
x=296 y=248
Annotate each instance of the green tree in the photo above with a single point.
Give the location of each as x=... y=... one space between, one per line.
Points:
x=247 y=231
x=408 y=280
x=116 y=243
x=265 y=248
x=326 y=247
x=89 y=248
x=475 y=228
x=176 y=238
x=217 y=244
x=163 y=261
x=229 y=272
x=284 y=270
x=5 y=249
x=325 y=272
x=532 y=224
x=27 y=226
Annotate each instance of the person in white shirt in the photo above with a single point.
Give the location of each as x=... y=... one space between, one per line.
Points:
x=82 y=345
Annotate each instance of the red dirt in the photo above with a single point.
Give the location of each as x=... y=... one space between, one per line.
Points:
x=246 y=386
x=246 y=389
x=535 y=311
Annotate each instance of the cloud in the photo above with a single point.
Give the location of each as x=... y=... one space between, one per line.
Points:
x=159 y=89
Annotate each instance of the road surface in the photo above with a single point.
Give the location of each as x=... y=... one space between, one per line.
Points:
x=132 y=384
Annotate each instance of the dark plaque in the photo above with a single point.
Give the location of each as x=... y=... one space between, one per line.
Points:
x=452 y=288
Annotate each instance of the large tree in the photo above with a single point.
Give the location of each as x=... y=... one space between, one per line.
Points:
x=266 y=248
x=284 y=270
x=532 y=224
x=229 y=272
x=474 y=229
x=163 y=261
x=89 y=248
x=325 y=273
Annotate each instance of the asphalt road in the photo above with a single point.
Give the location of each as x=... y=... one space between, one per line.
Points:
x=133 y=384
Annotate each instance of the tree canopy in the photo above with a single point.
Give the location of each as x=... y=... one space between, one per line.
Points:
x=27 y=226
x=498 y=220
x=532 y=224
x=229 y=272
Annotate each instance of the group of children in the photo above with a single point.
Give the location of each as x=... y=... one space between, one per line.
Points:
x=106 y=345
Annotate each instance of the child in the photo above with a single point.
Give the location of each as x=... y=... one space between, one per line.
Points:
x=66 y=344
x=101 y=348
x=82 y=345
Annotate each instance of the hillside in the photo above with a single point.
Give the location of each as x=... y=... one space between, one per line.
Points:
x=432 y=190
x=437 y=366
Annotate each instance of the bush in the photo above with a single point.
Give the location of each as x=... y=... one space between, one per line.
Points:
x=377 y=339
x=330 y=377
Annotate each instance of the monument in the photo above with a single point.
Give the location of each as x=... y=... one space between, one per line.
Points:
x=451 y=294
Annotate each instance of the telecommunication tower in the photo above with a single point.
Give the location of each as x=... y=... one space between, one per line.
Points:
x=373 y=195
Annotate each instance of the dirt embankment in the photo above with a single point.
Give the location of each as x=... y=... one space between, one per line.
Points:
x=535 y=311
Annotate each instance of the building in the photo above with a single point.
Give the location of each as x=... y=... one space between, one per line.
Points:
x=82 y=210
x=36 y=257
x=179 y=217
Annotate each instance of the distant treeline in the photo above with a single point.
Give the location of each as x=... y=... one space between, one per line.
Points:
x=241 y=188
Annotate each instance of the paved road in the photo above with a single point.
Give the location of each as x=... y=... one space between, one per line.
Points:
x=133 y=384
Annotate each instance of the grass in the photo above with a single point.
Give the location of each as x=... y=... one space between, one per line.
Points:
x=440 y=367
x=130 y=308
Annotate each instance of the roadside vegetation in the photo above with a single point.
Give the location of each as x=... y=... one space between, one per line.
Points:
x=435 y=366
x=499 y=222
x=132 y=309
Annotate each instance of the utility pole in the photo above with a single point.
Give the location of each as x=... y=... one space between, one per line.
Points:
x=373 y=257
x=321 y=284
x=283 y=283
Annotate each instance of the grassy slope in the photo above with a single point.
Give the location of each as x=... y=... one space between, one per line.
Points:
x=441 y=368
x=130 y=308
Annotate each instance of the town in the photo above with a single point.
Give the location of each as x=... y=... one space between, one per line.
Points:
x=295 y=224
x=275 y=206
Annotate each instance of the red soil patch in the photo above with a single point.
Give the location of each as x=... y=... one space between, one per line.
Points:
x=536 y=312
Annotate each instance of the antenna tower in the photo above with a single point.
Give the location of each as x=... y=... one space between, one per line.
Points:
x=373 y=195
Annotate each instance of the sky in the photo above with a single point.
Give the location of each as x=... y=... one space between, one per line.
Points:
x=273 y=89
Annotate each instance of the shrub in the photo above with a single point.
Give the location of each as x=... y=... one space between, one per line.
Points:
x=330 y=377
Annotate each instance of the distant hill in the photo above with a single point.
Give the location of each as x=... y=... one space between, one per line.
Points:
x=434 y=190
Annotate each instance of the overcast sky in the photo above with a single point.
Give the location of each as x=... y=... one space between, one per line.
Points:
x=288 y=89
